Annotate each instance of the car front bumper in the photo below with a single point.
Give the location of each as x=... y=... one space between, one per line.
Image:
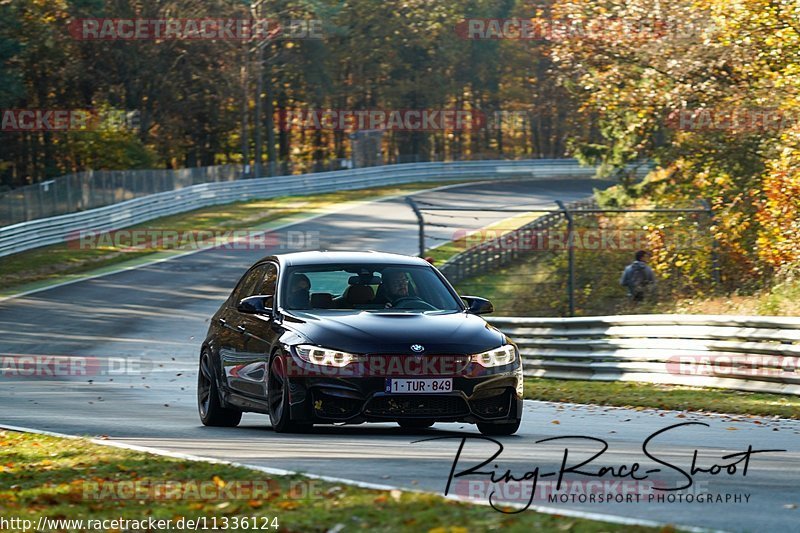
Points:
x=478 y=395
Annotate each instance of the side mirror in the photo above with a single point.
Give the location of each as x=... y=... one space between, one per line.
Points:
x=259 y=304
x=478 y=306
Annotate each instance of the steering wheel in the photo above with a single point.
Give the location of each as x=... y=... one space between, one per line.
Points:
x=399 y=303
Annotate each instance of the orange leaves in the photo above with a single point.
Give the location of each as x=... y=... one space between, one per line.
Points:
x=778 y=201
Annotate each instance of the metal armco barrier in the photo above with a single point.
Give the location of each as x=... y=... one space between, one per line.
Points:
x=35 y=233
x=501 y=251
x=748 y=353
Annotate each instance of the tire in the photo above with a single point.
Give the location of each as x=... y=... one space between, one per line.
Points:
x=278 y=397
x=415 y=424
x=499 y=430
x=212 y=411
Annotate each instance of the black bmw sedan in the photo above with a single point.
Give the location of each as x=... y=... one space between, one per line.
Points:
x=340 y=337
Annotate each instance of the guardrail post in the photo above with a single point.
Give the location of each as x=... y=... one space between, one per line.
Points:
x=40 y=202
x=108 y=184
x=69 y=195
x=421 y=220
x=715 y=271
x=27 y=206
x=570 y=255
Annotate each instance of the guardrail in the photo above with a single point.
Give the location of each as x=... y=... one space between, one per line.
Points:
x=97 y=188
x=751 y=353
x=503 y=250
x=35 y=233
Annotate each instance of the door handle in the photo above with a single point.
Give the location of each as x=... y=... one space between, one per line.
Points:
x=241 y=328
x=223 y=322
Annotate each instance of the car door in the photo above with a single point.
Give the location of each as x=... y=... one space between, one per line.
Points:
x=237 y=361
x=259 y=332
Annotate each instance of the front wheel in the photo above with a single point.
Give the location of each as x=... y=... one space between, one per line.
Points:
x=212 y=412
x=278 y=392
x=501 y=429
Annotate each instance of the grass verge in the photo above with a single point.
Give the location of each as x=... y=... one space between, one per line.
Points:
x=57 y=261
x=778 y=299
x=672 y=397
x=63 y=479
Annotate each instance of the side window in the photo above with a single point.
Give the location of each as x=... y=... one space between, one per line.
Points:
x=269 y=280
x=249 y=283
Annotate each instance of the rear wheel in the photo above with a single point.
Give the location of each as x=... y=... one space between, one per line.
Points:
x=415 y=424
x=278 y=393
x=212 y=412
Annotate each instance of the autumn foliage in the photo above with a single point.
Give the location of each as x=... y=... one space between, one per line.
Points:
x=713 y=101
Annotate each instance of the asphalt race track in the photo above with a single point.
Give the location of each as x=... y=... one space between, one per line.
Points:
x=150 y=321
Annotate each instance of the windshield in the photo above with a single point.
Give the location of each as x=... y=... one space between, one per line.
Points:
x=366 y=287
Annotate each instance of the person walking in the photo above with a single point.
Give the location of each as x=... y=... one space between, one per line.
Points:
x=638 y=277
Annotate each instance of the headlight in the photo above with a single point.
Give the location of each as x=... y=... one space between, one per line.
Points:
x=324 y=356
x=504 y=355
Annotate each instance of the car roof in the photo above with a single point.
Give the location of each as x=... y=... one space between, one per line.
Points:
x=323 y=258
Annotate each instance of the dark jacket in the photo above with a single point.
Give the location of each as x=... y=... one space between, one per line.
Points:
x=627 y=279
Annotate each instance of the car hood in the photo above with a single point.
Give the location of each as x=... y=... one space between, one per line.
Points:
x=395 y=332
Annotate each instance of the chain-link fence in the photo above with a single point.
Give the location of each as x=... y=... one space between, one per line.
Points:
x=578 y=272
x=496 y=252
x=87 y=190
x=366 y=148
x=549 y=267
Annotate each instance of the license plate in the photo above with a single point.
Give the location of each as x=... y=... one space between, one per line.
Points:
x=419 y=386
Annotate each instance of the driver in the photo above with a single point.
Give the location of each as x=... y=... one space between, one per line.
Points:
x=394 y=286
x=299 y=292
